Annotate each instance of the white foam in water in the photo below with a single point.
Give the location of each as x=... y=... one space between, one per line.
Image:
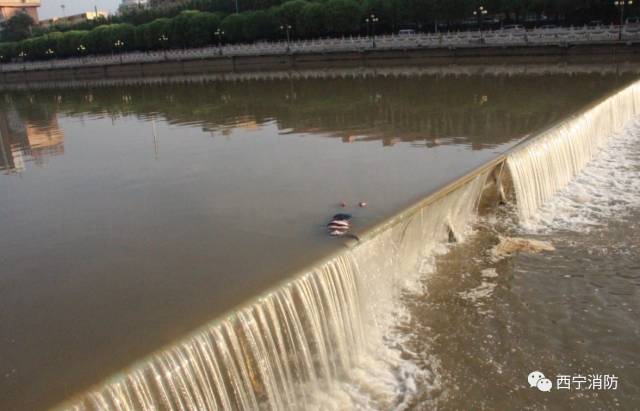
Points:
x=489 y=273
x=391 y=264
x=553 y=159
x=484 y=290
x=388 y=376
x=607 y=187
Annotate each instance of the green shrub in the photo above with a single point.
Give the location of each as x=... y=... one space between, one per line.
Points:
x=234 y=27
x=343 y=17
x=261 y=25
x=312 y=22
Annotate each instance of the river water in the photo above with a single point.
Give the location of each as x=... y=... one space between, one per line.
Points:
x=132 y=214
x=483 y=324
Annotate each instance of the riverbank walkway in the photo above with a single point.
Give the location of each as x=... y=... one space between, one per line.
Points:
x=561 y=36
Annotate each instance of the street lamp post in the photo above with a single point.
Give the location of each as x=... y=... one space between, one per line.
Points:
x=219 y=33
x=119 y=44
x=49 y=53
x=479 y=13
x=81 y=50
x=164 y=40
x=620 y=4
x=22 y=55
x=371 y=20
x=287 y=28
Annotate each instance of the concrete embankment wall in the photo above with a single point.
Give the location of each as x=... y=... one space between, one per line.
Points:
x=610 y=52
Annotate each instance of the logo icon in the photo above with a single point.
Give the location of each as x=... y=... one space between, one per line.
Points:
x=538 y=380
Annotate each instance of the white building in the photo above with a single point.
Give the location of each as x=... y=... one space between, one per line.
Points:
x=9 y=8
x=74 y=19
x=132 y=3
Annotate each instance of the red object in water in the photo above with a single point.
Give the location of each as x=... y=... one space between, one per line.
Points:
x=362 y=204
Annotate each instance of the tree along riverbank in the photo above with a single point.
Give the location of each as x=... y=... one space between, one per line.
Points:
x=543 y=54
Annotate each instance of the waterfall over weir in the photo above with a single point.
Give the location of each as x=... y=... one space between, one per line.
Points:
x=552 y=159
x=306 y=335
x=302 y=337
x=306 y=331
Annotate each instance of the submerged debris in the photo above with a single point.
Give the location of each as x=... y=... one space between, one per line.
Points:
x=511 y=245
x=489 y=273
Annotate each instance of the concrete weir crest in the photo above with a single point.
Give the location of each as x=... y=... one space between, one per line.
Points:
x=315 y=328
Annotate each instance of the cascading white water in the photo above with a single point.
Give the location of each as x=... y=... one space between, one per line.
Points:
x=554 y=158
x=394 y=257
x=304 y=333
x=282 y=350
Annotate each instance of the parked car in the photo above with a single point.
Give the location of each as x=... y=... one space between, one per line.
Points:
x=490 y=20
x=407 y=32
x=548 y=27
x=513 y=28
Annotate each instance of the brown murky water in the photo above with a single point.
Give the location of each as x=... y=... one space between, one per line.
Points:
x=131 y=215
x=483 y=324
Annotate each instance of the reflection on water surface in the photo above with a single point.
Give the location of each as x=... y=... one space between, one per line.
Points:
x=132 y=214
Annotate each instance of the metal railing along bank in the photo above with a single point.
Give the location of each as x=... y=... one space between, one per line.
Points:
x=540 y=36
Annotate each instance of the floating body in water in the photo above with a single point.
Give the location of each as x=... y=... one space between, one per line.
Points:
x=339 y=225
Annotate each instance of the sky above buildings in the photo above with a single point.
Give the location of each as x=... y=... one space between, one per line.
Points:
x=52 y=8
